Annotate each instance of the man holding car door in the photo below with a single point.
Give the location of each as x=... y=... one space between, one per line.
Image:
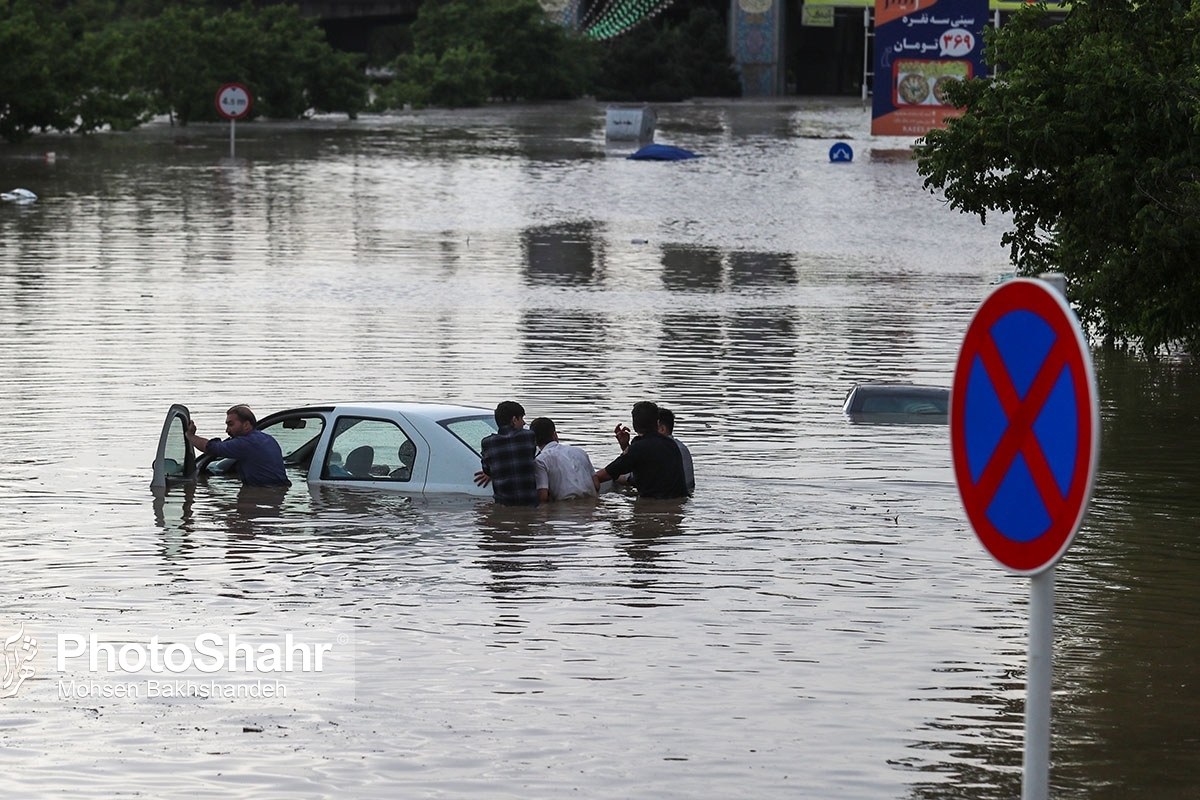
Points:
x=258 y=456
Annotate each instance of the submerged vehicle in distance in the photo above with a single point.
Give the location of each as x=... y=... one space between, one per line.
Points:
x=897 y=402
x=409 y=448
x=662 y=152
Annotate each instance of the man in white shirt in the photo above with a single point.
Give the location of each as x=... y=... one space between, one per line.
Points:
x=561 y=471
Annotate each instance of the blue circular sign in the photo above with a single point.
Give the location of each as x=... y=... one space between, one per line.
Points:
x=1024 y=425
x=841 y=152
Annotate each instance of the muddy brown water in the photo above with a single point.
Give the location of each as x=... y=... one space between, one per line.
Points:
x=818 y=621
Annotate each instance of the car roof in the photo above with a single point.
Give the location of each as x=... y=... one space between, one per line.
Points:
x=900 y=390
x=434 y=411
x=896 y=398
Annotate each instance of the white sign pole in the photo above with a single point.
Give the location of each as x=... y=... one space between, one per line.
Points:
x=1035 y=783
x=1024 y=543
x=233 y=101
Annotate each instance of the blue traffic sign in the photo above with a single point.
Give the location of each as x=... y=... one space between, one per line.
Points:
x=1024 y=425
x=841 y=152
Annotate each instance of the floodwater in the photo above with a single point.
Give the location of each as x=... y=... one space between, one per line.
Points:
x=818 y=621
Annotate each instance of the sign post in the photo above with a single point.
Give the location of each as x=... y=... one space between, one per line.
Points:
x=233 y=103
x=1025 y=437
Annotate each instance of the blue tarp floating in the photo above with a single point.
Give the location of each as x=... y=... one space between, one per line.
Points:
x=662 y=152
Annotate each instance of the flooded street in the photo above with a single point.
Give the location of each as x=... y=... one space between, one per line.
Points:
x=819 y=621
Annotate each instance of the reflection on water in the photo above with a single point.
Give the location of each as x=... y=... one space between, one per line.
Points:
x=561 y=255
x=692 y=269
x=817 y=621
x=647 y=532
x=708 y=269
x=1131 y=657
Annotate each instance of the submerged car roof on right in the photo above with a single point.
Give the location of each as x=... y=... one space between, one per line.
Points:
x=891 y=402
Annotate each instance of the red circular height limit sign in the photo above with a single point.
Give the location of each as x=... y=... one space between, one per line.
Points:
x=1025 y=425
x=233 y=101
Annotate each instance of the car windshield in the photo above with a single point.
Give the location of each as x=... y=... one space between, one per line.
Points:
x=471 y=430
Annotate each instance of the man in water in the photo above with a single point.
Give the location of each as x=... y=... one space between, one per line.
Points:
x=507 y=458
x=666 y=426
x=259 y=459
x=562 y=471
x=655 y=458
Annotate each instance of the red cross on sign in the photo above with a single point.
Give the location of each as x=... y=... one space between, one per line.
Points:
x=1024 y=425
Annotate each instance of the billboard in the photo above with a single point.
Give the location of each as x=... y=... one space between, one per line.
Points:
x=920 y=47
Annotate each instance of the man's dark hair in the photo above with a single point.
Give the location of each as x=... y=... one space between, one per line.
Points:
x=243 y=412
x=543 y=430
x=507 y=410
x=645 y=417
x=667 y=417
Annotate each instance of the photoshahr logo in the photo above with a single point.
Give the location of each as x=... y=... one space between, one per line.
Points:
x=17 y=657
x=219 y=665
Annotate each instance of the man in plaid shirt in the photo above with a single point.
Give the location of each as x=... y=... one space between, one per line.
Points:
x=508 y=458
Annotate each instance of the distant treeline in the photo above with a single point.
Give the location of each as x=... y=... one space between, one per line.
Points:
x=93 y=64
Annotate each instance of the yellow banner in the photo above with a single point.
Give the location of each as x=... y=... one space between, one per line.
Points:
x=815 y=16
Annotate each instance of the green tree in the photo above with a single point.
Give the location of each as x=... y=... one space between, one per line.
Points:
x=109 y=95
x=467 y=51
x=293 y=67
x=87 y=64
x=463 y=76
x=1090 y=139
x=36 y=68
x=172 y=60
x=412 y=82
x=279 y=55
x=641 y=65
x=535 y=58
x=669 y=58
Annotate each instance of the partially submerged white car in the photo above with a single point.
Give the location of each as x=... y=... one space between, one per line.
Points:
x=410 y=448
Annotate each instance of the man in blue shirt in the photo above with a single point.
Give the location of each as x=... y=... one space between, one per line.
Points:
x=507 y=458
x=259 y=459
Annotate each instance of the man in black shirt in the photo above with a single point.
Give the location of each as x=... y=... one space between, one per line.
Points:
x=655 y=458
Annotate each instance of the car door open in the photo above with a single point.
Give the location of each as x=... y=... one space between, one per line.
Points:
x=174 y=462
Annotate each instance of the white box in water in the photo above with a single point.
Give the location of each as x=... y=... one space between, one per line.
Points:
x=635 y=124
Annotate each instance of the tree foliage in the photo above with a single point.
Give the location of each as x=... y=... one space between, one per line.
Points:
x=35 y=78
x=1090 y=139
x=81 y=66
x=673 y=57
x=466 y=52
x=460 y=77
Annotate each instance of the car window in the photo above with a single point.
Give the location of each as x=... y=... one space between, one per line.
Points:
x=471 y=430
x=369 y=449
x=904 y=404
x=297 y=437
x=176 y=449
